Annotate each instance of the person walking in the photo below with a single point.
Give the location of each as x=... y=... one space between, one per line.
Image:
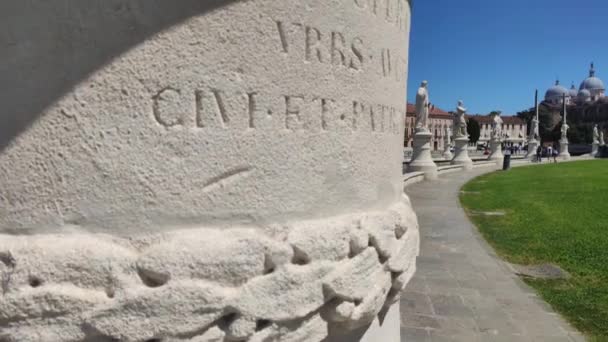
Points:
x=549 y=152
x=539 y=151
x=555 y=153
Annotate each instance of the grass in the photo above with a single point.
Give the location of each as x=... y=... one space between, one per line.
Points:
x=555 y=213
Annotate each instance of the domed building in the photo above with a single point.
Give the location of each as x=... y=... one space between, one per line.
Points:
x=591 y=90
x=555 y=94
x=594 y=85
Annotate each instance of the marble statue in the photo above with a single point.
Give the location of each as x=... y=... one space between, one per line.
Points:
x=496 y=126
x=422 y=160
x=156 y=195
x=422 y=107
x=563 y=142
x=534 y=131
x=460 y=122
x=596 y=134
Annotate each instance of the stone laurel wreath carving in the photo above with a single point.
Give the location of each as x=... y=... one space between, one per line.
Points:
x=278 y=283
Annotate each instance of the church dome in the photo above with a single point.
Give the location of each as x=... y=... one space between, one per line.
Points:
x=573 y=93
x=584 y=95
x=556 y=92
x=592 y=82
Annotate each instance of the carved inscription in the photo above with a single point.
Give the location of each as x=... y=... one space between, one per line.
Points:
x=323 y=47
x=392 y=11
x=338 y=49
x=218 y=109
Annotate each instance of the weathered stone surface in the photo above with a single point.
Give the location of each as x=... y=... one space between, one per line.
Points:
x=292 y=292
x=382 y=235
x=227 y=257
x=88 y=261
x=407 y=251
x=195 y=170
x=311 y=329
x=352 y=278
x=314 y=241
x=175 y=309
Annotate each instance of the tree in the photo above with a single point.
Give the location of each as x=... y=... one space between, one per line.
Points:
x=473 y=129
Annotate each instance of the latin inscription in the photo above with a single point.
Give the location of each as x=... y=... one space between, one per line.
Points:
x=338 y=49
x=218 y=109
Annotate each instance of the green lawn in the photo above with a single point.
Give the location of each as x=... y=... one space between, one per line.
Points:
x=555 y=213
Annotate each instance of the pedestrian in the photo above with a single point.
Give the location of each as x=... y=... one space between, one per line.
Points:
x=539 y=151
x=555 y=153
x=549 y=151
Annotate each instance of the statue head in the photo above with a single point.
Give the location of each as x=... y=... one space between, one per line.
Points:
x=460 y=103
x=423 y=84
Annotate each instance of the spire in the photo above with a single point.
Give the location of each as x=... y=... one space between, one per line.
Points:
x=572 y=86
x=592 y=71
x=557 y=82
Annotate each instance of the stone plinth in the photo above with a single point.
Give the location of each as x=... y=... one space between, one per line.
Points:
x=461 y=153
x=203 y=170
x=496 y=155
x=532 y=146
x=564 y=154
x=594 y=148
x=422 y=160
x=447 y=154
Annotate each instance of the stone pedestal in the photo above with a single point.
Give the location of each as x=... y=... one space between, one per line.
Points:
x=564 y=154
x=203 y=170
x=496 y=155
x=594 y=148
x=461 y=153
x=447 y=153
x=532 y=146
x=422 y=160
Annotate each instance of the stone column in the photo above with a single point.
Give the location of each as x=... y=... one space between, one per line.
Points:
x=204 y=171
x=496 y=148
x=564 y=154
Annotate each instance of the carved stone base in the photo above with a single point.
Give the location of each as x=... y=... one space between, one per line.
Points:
x=447 y=154
x=289 y=282
x=422 y=160
x=496 y=154
x=564 y=154
x=594 y=148
x=462 y=153
x=532 y=146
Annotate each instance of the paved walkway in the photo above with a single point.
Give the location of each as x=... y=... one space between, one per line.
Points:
x=462 y=291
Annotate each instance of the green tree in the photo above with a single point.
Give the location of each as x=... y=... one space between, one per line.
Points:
x=473 y=129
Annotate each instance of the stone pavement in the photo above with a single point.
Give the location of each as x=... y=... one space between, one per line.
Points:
x=462 y=291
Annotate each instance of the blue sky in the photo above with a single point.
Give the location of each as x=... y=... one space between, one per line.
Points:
x=493 y=54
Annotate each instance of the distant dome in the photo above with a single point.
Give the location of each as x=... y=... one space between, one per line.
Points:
x=592 y=82
x=556 y=92
x=584 y=94
x=573 y=92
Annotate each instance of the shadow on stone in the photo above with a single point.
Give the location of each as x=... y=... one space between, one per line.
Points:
x=47 y=47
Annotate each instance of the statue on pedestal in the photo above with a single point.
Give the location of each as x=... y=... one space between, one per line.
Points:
x=460 y=122
x=596 y=134
x=496 y=126
x=422 y=108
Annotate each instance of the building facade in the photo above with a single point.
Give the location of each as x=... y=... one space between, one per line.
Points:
x=439 y=122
